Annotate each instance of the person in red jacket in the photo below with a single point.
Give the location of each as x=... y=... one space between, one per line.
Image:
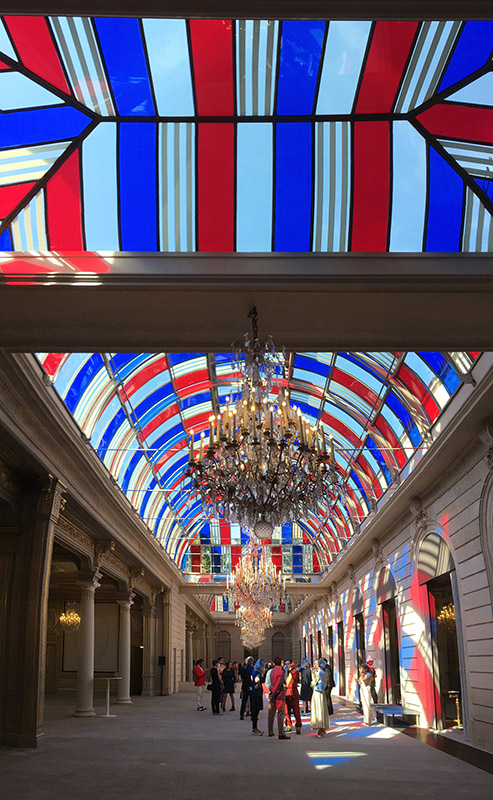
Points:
x=199 y=680
x=292 y=697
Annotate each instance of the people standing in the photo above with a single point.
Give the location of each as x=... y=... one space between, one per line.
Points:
x=256 y=695
x=220 y=668
x=329 y=685
x=246 y=683
x=228 y=677
x=277 y=699
x=199 y=680
x=373 y=689
x=216 y=688
x=364 y=681
x=293 y=698
x=306 y=684
x=319 y=717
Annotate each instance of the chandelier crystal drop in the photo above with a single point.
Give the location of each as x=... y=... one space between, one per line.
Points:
x=263 y=463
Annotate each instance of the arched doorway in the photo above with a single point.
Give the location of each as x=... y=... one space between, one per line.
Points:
x=223 y=645
x=436 y=571
x=278 y=645
x=385 y=594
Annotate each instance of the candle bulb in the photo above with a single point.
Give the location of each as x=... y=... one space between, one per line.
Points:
x=271 y=422
x=211 y=431
x=331 y=450
x=201 y=452
x=245 y=414
x=190 y=455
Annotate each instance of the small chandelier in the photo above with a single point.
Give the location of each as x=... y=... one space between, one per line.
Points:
x=264 y=464
x=253 y=587
x=70 y=620
x=446 y=616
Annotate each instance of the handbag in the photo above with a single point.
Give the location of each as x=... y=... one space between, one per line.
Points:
x=209 y=687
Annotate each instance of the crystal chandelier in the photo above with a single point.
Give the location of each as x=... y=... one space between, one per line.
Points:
x=69 y=620
x=264 y=464
x=447 y=616
x=253 y=587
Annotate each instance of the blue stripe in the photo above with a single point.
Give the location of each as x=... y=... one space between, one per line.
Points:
x=375 y=451
x=311 y=365
x=82 y=380
x=169 y=62
x=446 y=192
x=179 y=358
x=138 y=190
x=123 y=53
x=151 y=400
x=110 y=431
x=131 y=468
x=443 y=369
x=147 y=497
x=343 y=58
x=293 y=187
x=5 y=241
x=403 y=414
x=125 y=363
x=472 y=51
x=100 y=188
x=301 y=47
x=254 y=187
x=43 y=125
x=195 y=400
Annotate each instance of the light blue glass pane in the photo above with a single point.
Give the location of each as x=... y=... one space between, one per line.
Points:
x=408 y=190
x=100 y=188
x=5 y=45
x=479 y=92
x=344 y=53
x=167 y=49
x=17 y=91
x=254 y=187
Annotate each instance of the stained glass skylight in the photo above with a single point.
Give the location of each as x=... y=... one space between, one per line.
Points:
x=225 y=135
x=137 y=411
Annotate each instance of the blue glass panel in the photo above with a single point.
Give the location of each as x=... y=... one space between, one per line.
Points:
x=123 y=52
x=408 y=189
x=5 y=240
x=403 y=414
x=147 y=496
x=293 y=186
x=443 y=369
x=301 y=46
x=471 y=52
x=110 y=431
x=445 y=199
x=82 y=380
x=486 y=186
x=375 y=451
x=311 y=365
x=297 y=550
x=169 y=62
x=42 y=125
x=178 y=358
x=130 y=469
x=205 y=534
x=5 y=43
x=138 y=190
x=195 y=400
x=18 y=91
x=154 y=404
x=121 y=360
x=245 y=537
x=297 y=569
x=478 y=92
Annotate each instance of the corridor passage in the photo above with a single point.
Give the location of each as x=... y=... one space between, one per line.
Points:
x=161 y=747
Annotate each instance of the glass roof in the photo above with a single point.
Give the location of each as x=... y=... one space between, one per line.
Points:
x=151 y=135
x=137 y=411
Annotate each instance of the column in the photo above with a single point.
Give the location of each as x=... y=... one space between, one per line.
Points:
x=189 y=672
x=85 y=671
x=149 y=659
x=123 y=695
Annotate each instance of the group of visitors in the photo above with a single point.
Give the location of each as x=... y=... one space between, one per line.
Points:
x=285 y=685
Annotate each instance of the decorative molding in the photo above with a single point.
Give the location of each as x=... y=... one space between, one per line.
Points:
x=102 y=548
x=351 y=575
x=486 y=437
x=7 y=482
x=380 y=559
x=420 y=514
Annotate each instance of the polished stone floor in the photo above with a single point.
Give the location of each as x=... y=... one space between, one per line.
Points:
x=162 y=747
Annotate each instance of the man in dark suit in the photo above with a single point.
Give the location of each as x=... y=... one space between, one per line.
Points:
x=329 y=685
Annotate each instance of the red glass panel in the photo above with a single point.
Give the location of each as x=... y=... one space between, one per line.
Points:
x=52 y=362
x=391 y=438
x=367 y=394
x=212 y=54
x=64 y=206
x=337 y=425
x=37 y=50
x=4 y=66
x=146 y=374
x=417 y=387
x=387 y=57
x=160 y=419
x=459 y=122
x=371 y=186
x=225 y=531
x=216 y=187
x=10 y=196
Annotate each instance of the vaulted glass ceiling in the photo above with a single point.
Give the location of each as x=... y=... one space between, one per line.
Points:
x=220 y=135
x=137 y=411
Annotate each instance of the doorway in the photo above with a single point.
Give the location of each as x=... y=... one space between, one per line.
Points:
x=359 y=625
x=331 y=647
x=391 y=679
x=445 y=653
x=319 y=643
x=341 y=658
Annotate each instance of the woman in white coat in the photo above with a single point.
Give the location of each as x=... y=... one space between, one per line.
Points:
x=319 y=717
x=364 y=680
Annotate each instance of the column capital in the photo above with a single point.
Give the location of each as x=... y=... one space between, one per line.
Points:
x=51 y=501
x=88 y=581
x=127 y=601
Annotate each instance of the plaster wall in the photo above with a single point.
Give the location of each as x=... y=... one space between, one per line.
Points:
x=455 y=509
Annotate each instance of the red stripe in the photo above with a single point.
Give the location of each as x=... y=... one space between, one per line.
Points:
x=307 y=388
x=4 y=66
x=52 y=362
x=337 y=425
x=10 y=196
x=389 y=50
x=197 y=380
x=198 y=423
x=64 y=207
x=212 y=53
x=371 y=186
x=419 y=390
x=216 y=187
x=36 y=49
x=354 y=385
x=459 y=122
x=146 y=374
x=160 y=419
x=393 y=441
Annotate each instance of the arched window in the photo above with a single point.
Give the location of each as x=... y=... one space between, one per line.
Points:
x=223 y=645
x=278 y=645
